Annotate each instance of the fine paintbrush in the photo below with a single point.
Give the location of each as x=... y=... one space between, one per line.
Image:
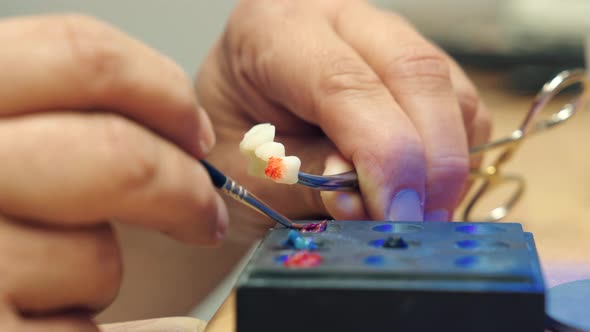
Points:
x=233 y=189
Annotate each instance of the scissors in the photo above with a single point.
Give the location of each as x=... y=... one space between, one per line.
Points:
x=491 y=175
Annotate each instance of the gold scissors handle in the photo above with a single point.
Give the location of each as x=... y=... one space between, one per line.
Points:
x=491 y=174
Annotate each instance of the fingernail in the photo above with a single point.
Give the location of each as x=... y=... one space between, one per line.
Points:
x=437 y=215
x=406 y=206
x=205 y=147
x=207 y=134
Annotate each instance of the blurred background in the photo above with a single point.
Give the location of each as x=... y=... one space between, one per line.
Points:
x=528 y=41
x=534 y=37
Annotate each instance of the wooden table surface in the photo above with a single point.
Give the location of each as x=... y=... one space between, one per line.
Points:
x=556 y=165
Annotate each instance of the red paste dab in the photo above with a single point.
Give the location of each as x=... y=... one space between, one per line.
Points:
x=275 y=168
x=303 y=259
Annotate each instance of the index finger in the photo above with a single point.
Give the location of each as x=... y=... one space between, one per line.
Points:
x=419 y=77
x=76 y=62
x=328 y=84
x=105 y=167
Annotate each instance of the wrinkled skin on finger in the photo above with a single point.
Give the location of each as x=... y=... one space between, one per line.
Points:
x=402 y=116
x=95 y=128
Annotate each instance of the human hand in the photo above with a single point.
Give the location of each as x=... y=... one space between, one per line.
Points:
x=94 y=126
x=345 y=80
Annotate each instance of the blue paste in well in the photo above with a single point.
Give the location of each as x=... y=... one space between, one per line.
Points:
x=298 y=242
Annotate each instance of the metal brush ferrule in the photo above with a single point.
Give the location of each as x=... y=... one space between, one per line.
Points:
x=235 y=190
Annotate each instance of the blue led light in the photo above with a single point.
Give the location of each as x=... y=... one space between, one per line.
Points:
x=467 y=261
x=468 y=229
x=281 y=259
x=377 y=243
x=479 y=229
x=375 y=260
x=398 y=228
x=385 y=228
x=468 y=244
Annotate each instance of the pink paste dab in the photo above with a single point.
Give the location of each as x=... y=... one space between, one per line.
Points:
x=303 y=259
x=275 y=168
x=316 y=227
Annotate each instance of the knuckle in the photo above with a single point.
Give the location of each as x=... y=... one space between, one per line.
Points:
x=407 y=145
x=421 y=68
x=245 y=20
x=450 y=168
x=484 y=118
x=480 y=128
x=411 y=150
x=347 y=77
x=469 y=102
x=127 y=156
x=397 y=156
x=94 y=48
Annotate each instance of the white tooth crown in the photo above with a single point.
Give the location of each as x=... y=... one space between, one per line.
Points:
x=270 y=149
x=290 y=171
x=256 y=167
x=259 y=146
x=256 y=136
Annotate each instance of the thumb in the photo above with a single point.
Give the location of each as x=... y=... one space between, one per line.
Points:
x=176 y=324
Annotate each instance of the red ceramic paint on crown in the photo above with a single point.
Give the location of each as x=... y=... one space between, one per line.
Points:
x=275 y=168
